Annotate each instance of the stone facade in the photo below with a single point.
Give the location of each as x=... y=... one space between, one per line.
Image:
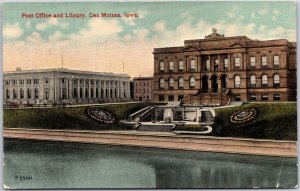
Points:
x=218 y=69
x=47 y=86
x=143 y=88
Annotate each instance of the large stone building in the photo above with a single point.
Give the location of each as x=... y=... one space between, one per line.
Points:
x=218 y=69
x=143 y=88
x=48 y=86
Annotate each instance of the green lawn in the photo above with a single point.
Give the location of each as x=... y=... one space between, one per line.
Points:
x=274 y=121
x=67 y=118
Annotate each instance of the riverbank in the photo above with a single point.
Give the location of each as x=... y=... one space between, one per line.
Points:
x=161 y=140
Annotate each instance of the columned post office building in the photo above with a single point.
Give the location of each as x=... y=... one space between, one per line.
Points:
x=46 y=86
x=218 y=69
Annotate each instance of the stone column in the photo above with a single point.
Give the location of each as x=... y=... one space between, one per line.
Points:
x=219 y=60
x=109 y=96
x=104 y=89
x=209 y=84
x=95 y=87
x=83 y=89
x=209 y=57
x=118 y=90
x=128 y=90
x=89 y=88
x=78 y=88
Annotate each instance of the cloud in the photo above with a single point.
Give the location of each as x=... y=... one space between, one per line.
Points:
x=12 y=31
x=35 y=37
x=159 y=26
x=274 y=18
x=41 y=26
x=51 y=22
x=58 y=35
x=98 y=30
x=263 y=11
x=28 y=24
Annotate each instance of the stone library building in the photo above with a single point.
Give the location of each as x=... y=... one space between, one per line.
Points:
x=218 y=70
x=61 y=85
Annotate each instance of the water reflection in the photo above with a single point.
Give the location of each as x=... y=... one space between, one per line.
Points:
x=70 y=165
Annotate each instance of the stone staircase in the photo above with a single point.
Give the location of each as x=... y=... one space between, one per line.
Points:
x=206 y=117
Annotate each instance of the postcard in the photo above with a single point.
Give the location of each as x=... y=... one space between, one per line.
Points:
x=198 y=94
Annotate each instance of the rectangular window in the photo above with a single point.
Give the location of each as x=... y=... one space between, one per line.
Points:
x=180 y=97
x=252 y=61
x=161 y=66
x=237 y=62
x=193 y=65
x=253 y=97
x=276 y=97
x=225 y=63
x=21 y=82
x=28 y=81
x=35 y=81
x=171 y=97
x=264 y=97
x=171 y=66
x=207 y=65
x=237 y=97
x=14 y=82
x=264 y=61
x=216 y=65
x=161 y=98
x=47 y=80
x=180 y=67
x=276 y=61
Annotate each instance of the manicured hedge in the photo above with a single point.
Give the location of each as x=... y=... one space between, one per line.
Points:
x=274 y=121
x=67 y=118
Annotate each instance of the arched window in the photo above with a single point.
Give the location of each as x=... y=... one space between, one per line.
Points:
x=253 y=81
x=161 y=83
x=14 y=93
x=276 y=80
x=192 y=82
x=47 y=94
x=86 y=92
x=75 y=92
x=264 y=81
x=7 y=94
x=28 y=93
x=36 y=93
x=237 y=81
x=92 y=92
x=21 y=93
x=171 y=83
x=97 y=93
x=80 y=93
x=180 y=83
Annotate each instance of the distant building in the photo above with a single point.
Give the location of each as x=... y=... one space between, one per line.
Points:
x=143 y=88
x=218 y=69
x=64 y=86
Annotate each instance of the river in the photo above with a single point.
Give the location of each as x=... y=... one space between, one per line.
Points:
x=52 y=165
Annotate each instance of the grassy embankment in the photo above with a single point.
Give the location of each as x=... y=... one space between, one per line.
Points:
x=67 y=118
x=274 y=120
